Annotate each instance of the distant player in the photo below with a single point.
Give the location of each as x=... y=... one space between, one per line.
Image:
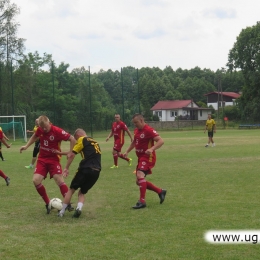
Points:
x=6 y=138
x=2 y=140
x=36 y=148
x=118 y=131
x=211 y=127
x=146 y=141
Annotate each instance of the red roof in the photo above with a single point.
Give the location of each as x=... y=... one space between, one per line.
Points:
x=228 y=94
x=171 y=104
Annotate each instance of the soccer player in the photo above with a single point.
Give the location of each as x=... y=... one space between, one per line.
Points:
x=2 y=140
x=6 y=138
x=211 y=127
x=88 y=170
x=118 y=131
x=48 y=161
x=146 y=141
x=36 y=148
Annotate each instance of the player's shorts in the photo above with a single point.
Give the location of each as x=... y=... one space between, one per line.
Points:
x=0 y=145
x=145 y=165
x=45 y=166
x=118 y=145
x=210 y=133
x=36 y=148
x=84 y=179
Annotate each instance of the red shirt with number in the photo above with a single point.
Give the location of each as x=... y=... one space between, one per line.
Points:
x=51 y=141
x=143 y=139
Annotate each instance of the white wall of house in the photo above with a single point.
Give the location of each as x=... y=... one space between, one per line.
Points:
x=170 y=115
x=203 y=114
x=215 y=105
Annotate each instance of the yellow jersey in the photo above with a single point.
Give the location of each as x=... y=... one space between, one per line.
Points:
x=210 y=124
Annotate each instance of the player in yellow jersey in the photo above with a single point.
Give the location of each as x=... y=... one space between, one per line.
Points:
x=211 y=127
x=36 y=148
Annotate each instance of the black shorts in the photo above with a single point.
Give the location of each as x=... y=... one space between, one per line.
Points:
x=84 y=179
x=210 y=134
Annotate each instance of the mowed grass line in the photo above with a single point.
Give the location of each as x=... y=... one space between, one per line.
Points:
x=207 y=189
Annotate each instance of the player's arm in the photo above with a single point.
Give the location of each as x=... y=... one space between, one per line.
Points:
x=72 y=142
x=159 y=142
x=5 y=143
x=30 y=142
x=206 y=127
x=70 y=157
x=214 y=127
x=129 y=149
x=5 y=137
x=29 y=131
x=130 y=135
x=110 y=135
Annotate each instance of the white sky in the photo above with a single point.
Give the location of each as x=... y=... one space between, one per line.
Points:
x=110 y=34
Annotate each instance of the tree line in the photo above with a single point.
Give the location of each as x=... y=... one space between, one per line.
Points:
x=32 y=84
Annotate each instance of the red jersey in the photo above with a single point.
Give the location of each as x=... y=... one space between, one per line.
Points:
x=51 y=141
x=1 y=134
x=143 y=139
x=118 y=130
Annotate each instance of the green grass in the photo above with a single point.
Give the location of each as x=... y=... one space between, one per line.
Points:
x=207 y=189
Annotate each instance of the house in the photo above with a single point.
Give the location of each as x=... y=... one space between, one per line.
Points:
x=215 y=98
x=183 y=109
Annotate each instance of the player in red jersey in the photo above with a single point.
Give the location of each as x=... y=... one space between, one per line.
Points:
x=48 y=161
x=146 y=141
x=2 y=139
x=118 y=131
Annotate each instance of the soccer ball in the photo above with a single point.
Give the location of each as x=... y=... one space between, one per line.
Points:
x=56 y=203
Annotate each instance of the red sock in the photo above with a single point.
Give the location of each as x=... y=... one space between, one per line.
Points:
x=122 y=157
x=41 y=190
x=142 y=188
x=152 y=187
x=63 y=189
x=2 y=175
x=115 y=159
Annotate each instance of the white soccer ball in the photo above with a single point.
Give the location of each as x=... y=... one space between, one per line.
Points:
x=56 y=203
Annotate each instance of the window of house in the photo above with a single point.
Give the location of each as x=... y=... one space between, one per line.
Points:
x=200 y=112
x=158 y=113
x=174 y=113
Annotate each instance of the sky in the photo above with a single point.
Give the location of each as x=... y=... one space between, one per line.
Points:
x=111 y=34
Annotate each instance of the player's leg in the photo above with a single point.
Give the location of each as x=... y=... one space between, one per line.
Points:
x=129 y=160
x=141 y=182
x=37 y=181
x=1 y=155
x=34 y=157
x=88 y=180
x=7 y=179
x=115 y=158
x=66 y=202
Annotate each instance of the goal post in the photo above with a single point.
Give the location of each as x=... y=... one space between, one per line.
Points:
x=14 y=127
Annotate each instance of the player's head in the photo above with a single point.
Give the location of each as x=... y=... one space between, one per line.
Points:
x=117 y=117
x=138 y=121
x=37 y=121
x=44 y=123
x=209 y=116
x=78 y=133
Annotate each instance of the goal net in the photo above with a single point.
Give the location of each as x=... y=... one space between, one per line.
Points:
x=14 y=127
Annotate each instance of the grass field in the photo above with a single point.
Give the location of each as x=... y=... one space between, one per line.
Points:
x=207 y=189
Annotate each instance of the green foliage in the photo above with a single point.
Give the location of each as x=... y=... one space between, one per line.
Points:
x=232 y=113
x=245 y=55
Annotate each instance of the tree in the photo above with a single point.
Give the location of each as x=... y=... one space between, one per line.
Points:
x=11 y=47
x=245 y=55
